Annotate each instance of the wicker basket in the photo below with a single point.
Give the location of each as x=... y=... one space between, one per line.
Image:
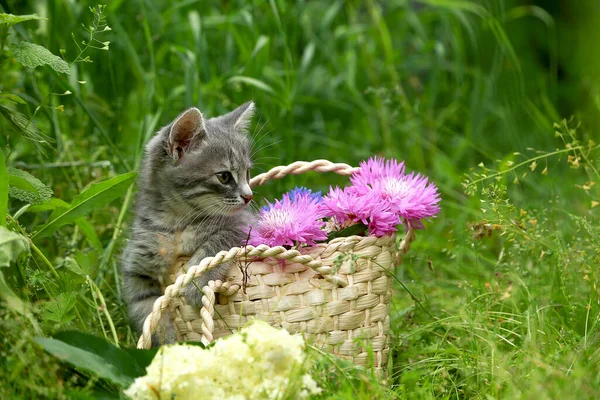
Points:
x=337 y=294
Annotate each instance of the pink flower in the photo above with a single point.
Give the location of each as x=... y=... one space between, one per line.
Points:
x=411 y=196
x=349 y=207
x=290 y=221
x=375 y=169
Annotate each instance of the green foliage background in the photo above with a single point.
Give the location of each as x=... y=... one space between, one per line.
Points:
x=497 y=101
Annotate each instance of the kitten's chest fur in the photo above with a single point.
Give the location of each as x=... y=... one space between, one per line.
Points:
x=183 y=242
x=170 y=245
x=180 y=243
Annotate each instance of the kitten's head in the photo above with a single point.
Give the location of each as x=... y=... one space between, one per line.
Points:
x=203 y=165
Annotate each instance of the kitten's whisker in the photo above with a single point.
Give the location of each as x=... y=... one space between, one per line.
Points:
x=254 y=206
x=266 y=147
x=254 y=137
x=189 y=209
x=203 y=206
x=199 y=224
x=264 y=158
x=257 y=131
x=269 y=164
x=255 y=150
x=199 y=214
x=253 y=134
x=220 y=216
x=183 y=217
x=209 y=213
x=259 y=141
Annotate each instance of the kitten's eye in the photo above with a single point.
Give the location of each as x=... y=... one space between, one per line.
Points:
x=224 y=177
x=248 y=175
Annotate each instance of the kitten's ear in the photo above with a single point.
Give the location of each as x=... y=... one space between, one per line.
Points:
x=241 y=116
x=187 y=128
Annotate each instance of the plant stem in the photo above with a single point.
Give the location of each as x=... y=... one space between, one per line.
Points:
x=3 y=35
x=33 y=246
x=528 y=161
x=116 y=233
x=92 y=164
x=81 y=320
x=21 y=211
x=43 y=257
x=100 y=297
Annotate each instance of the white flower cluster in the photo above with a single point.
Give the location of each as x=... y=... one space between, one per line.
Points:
x=259 y=362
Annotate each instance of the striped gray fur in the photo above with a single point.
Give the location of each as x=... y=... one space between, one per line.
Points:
x=187 y=206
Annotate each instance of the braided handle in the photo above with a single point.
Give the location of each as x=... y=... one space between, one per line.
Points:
x=300 y=167
x=236 y=253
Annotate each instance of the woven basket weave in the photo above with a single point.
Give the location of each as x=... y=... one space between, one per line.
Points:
x=337 y=294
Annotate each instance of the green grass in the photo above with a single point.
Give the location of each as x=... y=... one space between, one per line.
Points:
x=505 y=280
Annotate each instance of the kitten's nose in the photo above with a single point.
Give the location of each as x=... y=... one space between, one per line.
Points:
x=247 y=198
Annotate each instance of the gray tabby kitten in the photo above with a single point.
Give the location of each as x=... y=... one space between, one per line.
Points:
x=192 y=198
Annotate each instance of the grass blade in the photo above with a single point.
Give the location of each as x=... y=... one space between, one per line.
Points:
x=252 y=82
x=97 y=195
x=3 y=190
x=94 y=355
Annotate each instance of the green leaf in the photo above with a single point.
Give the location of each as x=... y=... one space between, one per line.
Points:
x=358 y=229
x=27 y=188
x=87 y=262
x=11 y=19
x=3 y=190
x=12 y=245
x=72 y=265
x=59 y=206
x=51 y=205
x=20 y=183
x=14 y=302
x=32 y=55
x=260 y=43
x=94 y=355
x=93 y=394
x=89 y=231
x=143 y=357
x=96 y=196
x=12 y=97
x=252 y=82
x=98 y=356
x=26 y=127
x=122 y=358
x=59 y=309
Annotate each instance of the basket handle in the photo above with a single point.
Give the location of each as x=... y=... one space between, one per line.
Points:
x=300 y=167
x=236 y=253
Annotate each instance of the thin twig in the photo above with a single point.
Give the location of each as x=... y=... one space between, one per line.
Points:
x=66 y=164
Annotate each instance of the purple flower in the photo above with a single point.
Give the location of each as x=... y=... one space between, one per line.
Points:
x=295 y=219
x=411 y=196
x=349 y=207
x=302 y=191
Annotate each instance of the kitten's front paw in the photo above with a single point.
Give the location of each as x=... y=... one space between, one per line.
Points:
x=193 y=292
